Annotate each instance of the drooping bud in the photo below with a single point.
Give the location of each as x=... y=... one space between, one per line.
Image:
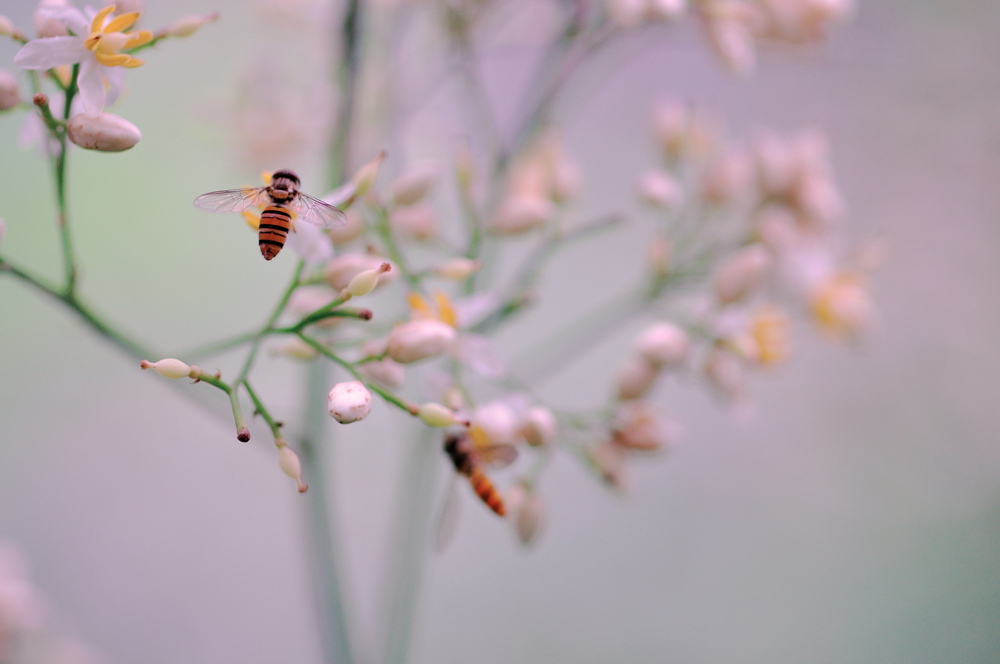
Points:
x=10 y=93
x=415 y=221
x=349 y=402
x=364 y=282
x=365 y=176
x=388 y=372
x=168 y=368
x=6 y=26
x=639 y=428
x=419 y=339
x=351 y=230
x=539 y=426
x=742 y=273
x=520 y=214
x=659 y=189
x=345 y=267
x=186 y=26
x=105 y=132
x=636 y=379
x=527 y=512
x=415 y=182
x=289 y=463
x=436 y=415
x=663 y=345
x=457 y=269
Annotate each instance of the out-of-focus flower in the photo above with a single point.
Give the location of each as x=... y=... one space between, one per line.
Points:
x=742 y=273
x=636 y=379
x=770 y=331
x=345 y=267
x=457 y=269
x=801 y=21
x=842 y=306
x=307 y=299
x=629 y=13
x=351 y=230
x=168 y=368
x=436 y=415
x=498 y=422
x=541 y=178
x=609 y=459
x=539 y=426
x=186 y=26
x=98 y=53
x=729 y=25
x=659 y=189
x=45 y=24
x=520 y=214
x=527 y=512
x=725 y=373
x=104 y=132
x=663 y=345
x=419 y=339
x=289 y=463
x=726 y=180
x=20 y=603
x=349 y=402
x=414 y=183
x=638 y=427
x=365 y=176
x=6 y=26
x=416 y=221
x=10 y=92
x=386 y=371
x=659 y=255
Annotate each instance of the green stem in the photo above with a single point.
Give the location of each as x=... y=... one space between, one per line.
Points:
x=274 y=425
x=384 y=231
x=269 y=324
x=347 y=79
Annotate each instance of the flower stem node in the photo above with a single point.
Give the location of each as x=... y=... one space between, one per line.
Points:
x=186 y=26
x=10 y=93
x=168 y=368
x=419 y=339
x=364 y=282
x=436 y=415
x=289 y=463
x=105 y=132
x=349 y=402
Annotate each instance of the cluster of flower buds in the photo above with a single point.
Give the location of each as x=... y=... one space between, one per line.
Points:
x=630 y=13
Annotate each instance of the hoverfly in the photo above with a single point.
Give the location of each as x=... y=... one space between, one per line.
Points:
x=470 y=452
x=282 y=204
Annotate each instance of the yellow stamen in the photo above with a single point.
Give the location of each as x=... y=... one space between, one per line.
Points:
x=419 y=306
x=265 y=176
x=446 y=312
x=121 y=23
x=479 y=437
x=98 y=22
x=133 y=62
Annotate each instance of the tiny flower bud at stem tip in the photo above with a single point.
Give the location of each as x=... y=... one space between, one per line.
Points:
x=364 y=282
x=168 y=368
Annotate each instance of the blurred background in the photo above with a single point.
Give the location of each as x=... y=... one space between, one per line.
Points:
x=854 y=518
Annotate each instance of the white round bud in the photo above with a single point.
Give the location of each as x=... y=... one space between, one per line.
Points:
x=659 y=189
x=436 y=415
x=498 y=421
x=349 y=402
x=636 y=379
x=663 y=344
x=520 y=214
x=345 y=267
x=10 y=93
x=414 y=183
x=742 y=273
x=168 y=368
x=419 y=339
x=539 y=426
x=364 y=282
x=290 y=465
x=186 y=26
x=457 y=269
x=105 y=132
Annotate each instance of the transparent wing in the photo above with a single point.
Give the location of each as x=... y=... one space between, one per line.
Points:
x=496 y=456
x=317 y=212
x=447 y=519
x=232 y=200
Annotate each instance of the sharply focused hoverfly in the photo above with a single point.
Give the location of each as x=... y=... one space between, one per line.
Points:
x=470 y=453
x=282 y=204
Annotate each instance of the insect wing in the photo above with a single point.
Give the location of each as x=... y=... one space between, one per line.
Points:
x=447 y=520
x=232 y=200
x=496 y=456
x=319 y=213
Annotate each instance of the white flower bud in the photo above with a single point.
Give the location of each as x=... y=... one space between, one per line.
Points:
x=352 y=229
x=168 y=368
x=539 y=426
x=520 y=214
x=419 y=339
x=387 y=372
x=105 y=132
x=45 y=24
x=663 y=345
x=639 y=428
x=527 y=512
x=414 y=221
x=6 y=26
x=186 y=26
x=364 y=282
x=457 y=269
x=742 y=273
x=436 y=415
x=345 y=267
x=665 y=10
x=349 y=402
x=415 y=182
x=670 y=127
x=725 y=373
x=365 y=176
x=636 y=379
x=498 y=421
x=10 y=93
x=660 y=189
x=289 y=463
x=727 y=180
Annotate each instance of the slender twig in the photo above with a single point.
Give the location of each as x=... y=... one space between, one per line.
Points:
x=269 y=324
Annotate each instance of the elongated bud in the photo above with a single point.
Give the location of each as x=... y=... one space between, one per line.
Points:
x=345 y=267
x=365 y=176
x=742 y=273
x=289 y=463
x=419 y=339
x=659 y=189
x=540 y=426
x=636 y=379
x=186 y=26
x=527 y=512
x=415 y=182
x=521 y=213
x=663 y=344
x=349 y=402
x=350 y=231
x=364 y=282
x=6 y=26
x=168 y=368
x=415 y=221
x=436 y=415
x=10 y=93
x=457 y=269
x=105 y=132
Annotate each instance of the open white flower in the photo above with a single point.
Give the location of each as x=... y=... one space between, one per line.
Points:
x=95 y=45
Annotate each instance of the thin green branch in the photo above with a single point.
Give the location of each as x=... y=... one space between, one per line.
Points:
x=273 y=424
x=269 y=324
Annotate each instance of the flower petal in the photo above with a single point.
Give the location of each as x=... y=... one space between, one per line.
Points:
x=121 y=23
x=51 y=51
x=115 y=78
x=98 y=22
x=91 y=84
x=71 y=17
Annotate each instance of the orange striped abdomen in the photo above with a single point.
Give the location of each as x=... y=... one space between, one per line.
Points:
x=275 y=222
x=486 y=491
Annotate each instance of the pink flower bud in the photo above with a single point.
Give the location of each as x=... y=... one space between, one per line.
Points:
x=419 y=339
x=539 y=426
x=168 y=368
x=659 y=189
x=636 y=379
x=415 y=182
x=10 y=93
x=105 y=132
x=663 y=344
x=349 y=402
x=345 y=267
x=742 y=273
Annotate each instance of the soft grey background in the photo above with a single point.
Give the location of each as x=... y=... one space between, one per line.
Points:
x=855 y=519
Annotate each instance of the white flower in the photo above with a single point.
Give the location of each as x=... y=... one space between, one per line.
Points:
x=98 y=53
x=349 y=402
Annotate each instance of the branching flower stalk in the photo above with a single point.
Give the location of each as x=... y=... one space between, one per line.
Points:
x=744 y=236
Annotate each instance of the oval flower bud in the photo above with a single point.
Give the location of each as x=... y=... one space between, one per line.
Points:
x=415 y=182
x=540 y=426
x=289 y=463
x=520 y=214
x=364 y=282
x=349 y=402
x=415 y=221
x=168 y=368
x=186 y=26
x=436 y=415
x=351 y=230
x=6 y=26
x=10 y=93
x=742 y=273
x=636 y=379
x=419 y=339
x=457 y=269
x=345 y=267
x=105 y=132
x=663 y=344
x=365 y=176
x=659 y=189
